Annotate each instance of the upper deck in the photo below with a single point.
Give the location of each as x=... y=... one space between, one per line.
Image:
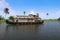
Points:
x=26 y=16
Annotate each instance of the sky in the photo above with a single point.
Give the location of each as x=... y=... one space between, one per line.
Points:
x=17 y=7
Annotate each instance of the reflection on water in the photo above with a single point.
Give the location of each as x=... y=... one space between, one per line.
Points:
x=22 y=28
x=20 y=32
x=46 y=31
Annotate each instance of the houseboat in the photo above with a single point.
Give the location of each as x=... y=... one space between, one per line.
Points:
x=26 y=19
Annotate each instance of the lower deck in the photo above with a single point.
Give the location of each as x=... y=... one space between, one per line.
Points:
x=24 y=22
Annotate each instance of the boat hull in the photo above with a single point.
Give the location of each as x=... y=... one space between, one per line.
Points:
x=8 y=22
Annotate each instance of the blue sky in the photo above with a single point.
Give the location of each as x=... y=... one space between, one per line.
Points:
x=37 y=6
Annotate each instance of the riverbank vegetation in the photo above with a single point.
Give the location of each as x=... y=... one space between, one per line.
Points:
x=52 y=20
x=11 y=18
x=2 y=19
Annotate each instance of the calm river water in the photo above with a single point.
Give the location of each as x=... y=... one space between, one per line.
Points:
x=46 y=31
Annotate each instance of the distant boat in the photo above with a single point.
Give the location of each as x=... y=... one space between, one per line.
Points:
x=26 y=19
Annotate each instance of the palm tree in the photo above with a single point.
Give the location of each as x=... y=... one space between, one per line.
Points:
x=47 y=14
x=6 y=11
x=24 y=12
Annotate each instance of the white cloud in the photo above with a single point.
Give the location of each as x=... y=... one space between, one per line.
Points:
x=4 y=4
x=32 y=12
x=57 y=14
x=43 y=15
x=51 y=15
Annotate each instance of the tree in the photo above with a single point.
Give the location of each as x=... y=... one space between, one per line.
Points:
x=24 y=12
x=1 y=18
x=6 y=11
x=11 y=18
x=47 y=14
x=59 y=18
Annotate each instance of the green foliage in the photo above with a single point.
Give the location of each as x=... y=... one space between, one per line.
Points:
x=1 y=18
x=50 y=20
x=11 y=18
x=6 y=10
x=59 y=18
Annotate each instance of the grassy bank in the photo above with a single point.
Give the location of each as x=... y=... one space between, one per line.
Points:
x=51 y=20
x=2 y=21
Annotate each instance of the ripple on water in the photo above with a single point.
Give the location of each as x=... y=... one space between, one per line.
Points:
x=46 y=31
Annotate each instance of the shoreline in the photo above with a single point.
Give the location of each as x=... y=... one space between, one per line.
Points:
x=51 y=20
x=2 y=21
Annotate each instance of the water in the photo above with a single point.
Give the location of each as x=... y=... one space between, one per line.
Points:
x=46 y=31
